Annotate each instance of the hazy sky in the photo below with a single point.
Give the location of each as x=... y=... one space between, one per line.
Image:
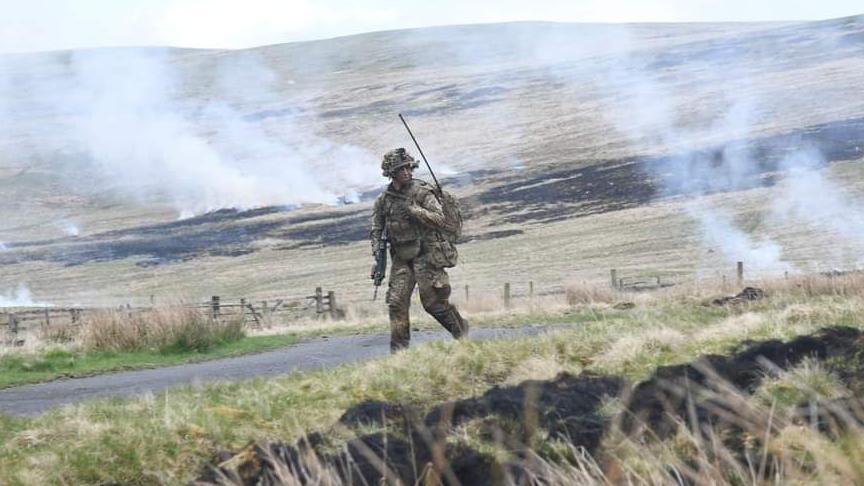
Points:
x=34 y=25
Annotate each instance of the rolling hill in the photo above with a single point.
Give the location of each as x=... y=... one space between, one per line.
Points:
x=576 y=148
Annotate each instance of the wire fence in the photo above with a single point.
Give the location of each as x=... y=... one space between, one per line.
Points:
x=257 y=312
x=17 y=321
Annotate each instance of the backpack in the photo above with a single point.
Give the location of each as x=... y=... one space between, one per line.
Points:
x=452 y=216
x=443 y=253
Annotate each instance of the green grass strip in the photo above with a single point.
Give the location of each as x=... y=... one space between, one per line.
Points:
x=58 y=363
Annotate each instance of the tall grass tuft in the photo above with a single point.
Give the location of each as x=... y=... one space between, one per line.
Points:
x=171 y=329
x=586 y=293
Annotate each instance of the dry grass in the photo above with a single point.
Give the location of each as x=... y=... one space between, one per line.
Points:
x=162 y=328
x=165 y=328
x=585 y=293
x=765 y=440
x=850 y=284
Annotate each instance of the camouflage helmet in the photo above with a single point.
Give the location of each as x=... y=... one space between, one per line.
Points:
x=395 y=159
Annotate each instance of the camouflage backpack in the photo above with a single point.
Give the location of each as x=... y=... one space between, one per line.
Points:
x=443 y=253
x=452 y=230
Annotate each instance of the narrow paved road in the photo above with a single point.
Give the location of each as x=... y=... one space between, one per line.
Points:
x=310 y=354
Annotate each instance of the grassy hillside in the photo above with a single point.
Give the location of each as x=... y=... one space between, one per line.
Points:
x=529 y=119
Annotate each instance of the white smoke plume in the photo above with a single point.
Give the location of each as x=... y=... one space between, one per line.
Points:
x=655 y=115
x=719 y=231
x=700 y=110
x=148 y=140
x=19 y=297
x=69 y=228
x=810 y=197
x=134 y=122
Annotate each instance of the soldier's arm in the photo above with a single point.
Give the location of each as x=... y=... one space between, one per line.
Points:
x=429 y=211
x=377 y=222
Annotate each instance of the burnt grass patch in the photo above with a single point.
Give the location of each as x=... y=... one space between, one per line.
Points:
x=555 y=194
x=566 y=408
x=613 y=185
x=226 y=233
x=563 y=193
x=153 y=248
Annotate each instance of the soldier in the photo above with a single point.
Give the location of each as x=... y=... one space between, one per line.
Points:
x=413 y=216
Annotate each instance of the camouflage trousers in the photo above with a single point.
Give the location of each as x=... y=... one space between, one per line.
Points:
x=434 y=287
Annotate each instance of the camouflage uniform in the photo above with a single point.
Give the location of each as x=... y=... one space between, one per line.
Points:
x=412 y=214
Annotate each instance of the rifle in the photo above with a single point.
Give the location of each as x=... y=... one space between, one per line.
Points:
x=438 y=186
x=379 y=269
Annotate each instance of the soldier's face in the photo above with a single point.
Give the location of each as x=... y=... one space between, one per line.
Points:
x=403 y=174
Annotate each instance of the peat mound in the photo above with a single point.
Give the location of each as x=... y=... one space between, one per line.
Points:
x=672 y=394
x=418 y=448
x=566 y=407
x=748 y=294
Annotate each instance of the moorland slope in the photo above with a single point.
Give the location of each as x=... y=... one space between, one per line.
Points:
x=585 y=145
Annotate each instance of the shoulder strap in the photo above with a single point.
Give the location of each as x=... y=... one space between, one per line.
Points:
x=388 y=192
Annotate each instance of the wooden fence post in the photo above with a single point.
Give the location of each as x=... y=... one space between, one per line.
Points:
x=319 y=301
x=531 y=289
x=214 y=306
x=243 y=309
x=331 y=300
x=47 y=318
x=507 y=294
x=466 y=292
x=614 y=275
x=13 y=323
x=265 y=311
x=740 y=273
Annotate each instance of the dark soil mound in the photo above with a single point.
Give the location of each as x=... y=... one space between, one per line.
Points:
x=416 y=448
x=661 y=402
x=749 y=294
x=565 y=407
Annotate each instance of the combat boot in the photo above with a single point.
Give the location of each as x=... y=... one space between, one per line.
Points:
x=453 y=322
x=463 y=325
x=400 y=329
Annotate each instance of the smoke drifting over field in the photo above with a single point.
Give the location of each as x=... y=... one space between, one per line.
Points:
x=811 y=198
x=19 y=297
x=126 y=120
x=652 y=115
x=707 y=139
x=69 y=228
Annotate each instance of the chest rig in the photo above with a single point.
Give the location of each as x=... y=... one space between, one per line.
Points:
x=401 y=228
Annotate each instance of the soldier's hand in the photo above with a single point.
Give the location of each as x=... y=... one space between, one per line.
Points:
x=404 y=212
x=412 y=210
